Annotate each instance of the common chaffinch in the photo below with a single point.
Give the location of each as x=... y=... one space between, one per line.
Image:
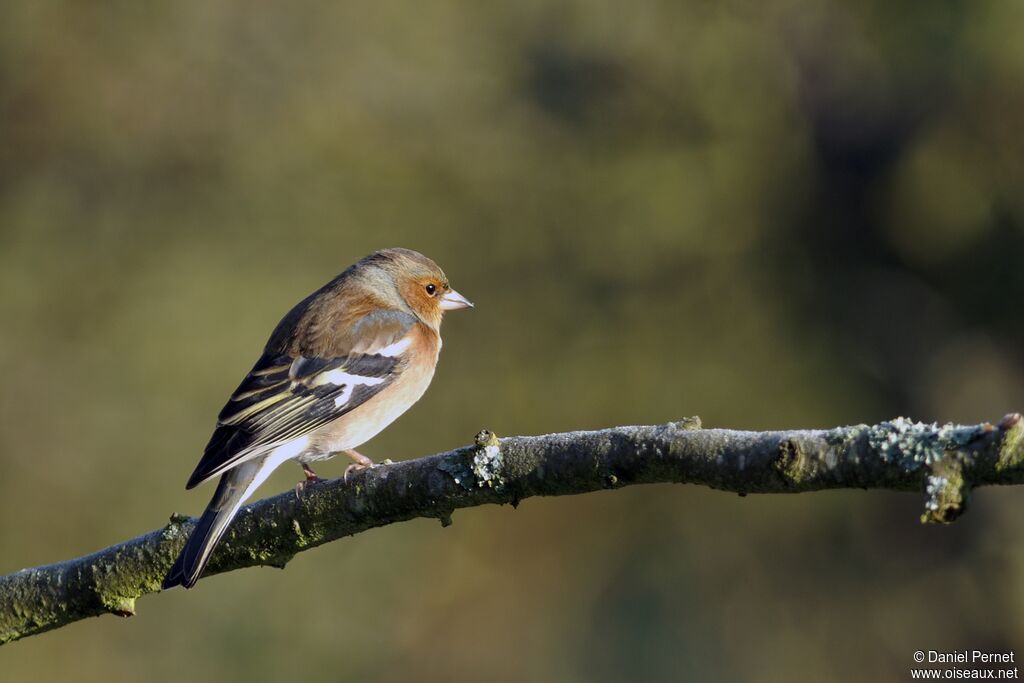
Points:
x=339 y=367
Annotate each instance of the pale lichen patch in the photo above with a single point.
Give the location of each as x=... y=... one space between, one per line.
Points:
x=934 y=487
x=688 y=423
x=912 y=445
x=174 y=525
x=843 y=437
x=947 y=493
x=297 y=528
x=487 y=460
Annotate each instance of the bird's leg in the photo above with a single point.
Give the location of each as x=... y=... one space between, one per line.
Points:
x=310 y=474
x=361 y=462
x=311 y=478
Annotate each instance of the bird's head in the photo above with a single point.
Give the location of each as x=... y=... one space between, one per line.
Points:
x=420 y=283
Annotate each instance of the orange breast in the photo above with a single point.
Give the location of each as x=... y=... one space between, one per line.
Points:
x=369 y=419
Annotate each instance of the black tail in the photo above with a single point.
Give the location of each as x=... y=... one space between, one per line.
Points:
x=232 y=490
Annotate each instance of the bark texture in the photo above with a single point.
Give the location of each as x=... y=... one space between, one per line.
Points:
x=944 y=463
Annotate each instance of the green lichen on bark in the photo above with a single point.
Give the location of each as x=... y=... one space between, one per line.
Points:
x=1011 y=452
x=947 y=492
x=692 y=423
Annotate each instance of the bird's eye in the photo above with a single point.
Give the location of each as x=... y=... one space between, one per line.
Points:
x=431 y=289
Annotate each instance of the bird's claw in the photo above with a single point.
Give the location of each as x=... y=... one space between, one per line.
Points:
x=361 y=463
x=356 y=467
x=311 y=478
x=300 y=488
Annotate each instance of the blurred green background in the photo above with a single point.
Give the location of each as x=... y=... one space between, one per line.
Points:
x=769 y=214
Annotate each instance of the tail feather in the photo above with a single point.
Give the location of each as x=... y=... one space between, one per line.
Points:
x=234 y=488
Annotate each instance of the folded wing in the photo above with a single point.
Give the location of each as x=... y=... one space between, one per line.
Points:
x=285 y=397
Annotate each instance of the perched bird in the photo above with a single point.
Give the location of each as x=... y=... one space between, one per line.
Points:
x=340 y=367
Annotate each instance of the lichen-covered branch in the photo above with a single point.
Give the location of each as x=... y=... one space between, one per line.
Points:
x=943 y=463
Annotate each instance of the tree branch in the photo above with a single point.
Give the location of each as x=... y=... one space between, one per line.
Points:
x=944 y=463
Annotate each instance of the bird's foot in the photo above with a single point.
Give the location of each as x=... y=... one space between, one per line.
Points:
x=361 y=462
x=311 y=478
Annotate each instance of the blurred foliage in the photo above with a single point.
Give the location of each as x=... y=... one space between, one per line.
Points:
x=771 y=214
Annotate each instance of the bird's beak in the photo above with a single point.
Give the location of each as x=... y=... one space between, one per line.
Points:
x=453 y=301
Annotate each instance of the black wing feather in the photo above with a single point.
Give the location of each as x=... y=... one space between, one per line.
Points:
x=283 y=398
